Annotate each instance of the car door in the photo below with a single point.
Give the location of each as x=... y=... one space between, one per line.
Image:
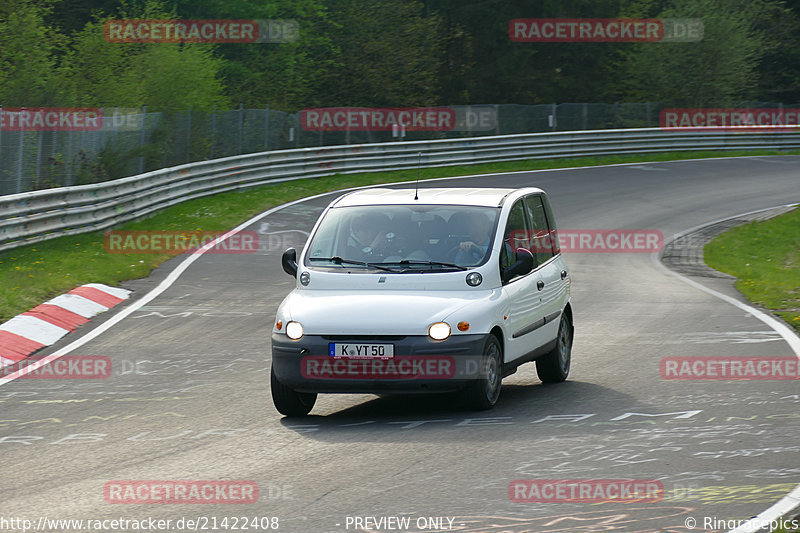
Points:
x=552 y=279
x=523 y=302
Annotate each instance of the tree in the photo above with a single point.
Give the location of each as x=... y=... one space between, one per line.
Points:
x=29 y=72
x=162 y=76
x=717 y=71
x=389 y=54
x=284 y=75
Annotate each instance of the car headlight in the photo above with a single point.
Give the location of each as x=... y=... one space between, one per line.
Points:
x=294 y=330
x=439 y=331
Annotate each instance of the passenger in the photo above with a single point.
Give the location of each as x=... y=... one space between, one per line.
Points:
x=471 y=252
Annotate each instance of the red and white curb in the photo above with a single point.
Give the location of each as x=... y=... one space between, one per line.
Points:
x=47 y=323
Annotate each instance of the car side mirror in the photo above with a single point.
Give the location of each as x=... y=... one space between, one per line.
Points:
x=289 y=262
x=523 y=265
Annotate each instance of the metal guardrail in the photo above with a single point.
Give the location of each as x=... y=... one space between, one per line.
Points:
x=40 y=215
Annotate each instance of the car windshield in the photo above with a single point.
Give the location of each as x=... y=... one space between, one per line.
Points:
x=404 y=237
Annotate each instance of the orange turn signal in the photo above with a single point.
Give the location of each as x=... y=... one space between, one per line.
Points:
x=279 y=325
x=463 y=326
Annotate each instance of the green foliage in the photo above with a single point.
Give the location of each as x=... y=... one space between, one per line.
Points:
x=765 y=256
x=29 y=72
x=717 y=71
x=389 y=54
x=162 y=76
x=394 y=53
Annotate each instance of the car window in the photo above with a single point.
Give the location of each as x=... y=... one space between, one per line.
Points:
x=541 y=245
x=515 y=235
x=461 y=235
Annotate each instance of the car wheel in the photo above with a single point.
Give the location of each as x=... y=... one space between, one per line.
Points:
x=482 y=394
x=288 y=401
x=554 y=367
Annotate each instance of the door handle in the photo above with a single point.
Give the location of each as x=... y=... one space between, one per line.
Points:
x=540 y=284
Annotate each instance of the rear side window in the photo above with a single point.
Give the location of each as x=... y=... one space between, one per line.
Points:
x=544 y=241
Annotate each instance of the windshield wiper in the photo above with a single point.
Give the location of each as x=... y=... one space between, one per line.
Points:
x=409 y=262
x=339 y=261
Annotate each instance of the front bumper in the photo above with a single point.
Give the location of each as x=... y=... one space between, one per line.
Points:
x=420 y=364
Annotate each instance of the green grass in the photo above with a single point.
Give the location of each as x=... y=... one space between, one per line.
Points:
x=765 y=257
x=32 y=274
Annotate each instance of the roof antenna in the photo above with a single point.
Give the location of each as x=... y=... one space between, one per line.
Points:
x=416 y=187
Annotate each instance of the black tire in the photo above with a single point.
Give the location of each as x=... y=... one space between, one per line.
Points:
x=554 y=367
x=483 y=393
x=288 y=401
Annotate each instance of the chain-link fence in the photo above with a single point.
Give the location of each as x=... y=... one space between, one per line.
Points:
x=127 y=142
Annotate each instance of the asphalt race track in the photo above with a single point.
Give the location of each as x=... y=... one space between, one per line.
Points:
x=188 y=398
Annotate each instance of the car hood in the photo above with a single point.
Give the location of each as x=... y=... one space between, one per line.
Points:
x=329 y=312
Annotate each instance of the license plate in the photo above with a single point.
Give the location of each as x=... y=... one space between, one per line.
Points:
x=361 y=351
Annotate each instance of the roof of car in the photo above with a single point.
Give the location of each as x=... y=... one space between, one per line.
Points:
x=453 y=196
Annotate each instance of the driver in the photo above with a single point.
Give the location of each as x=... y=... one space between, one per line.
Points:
x=367 y=236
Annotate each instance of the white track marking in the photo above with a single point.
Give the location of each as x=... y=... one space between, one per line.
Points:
x=791 y=501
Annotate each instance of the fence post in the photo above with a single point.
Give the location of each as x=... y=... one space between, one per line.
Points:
x=647 y=112
x=116 y=126
x=585 y=116
x=213 y=134
x=68 y=158
x=141 y=139
x=241 y=127
x=21 y=148
x=2 y=177
x=188 y=135
x=38 y=159
x=266 y=127
x=496 y=119
x=2 y=187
